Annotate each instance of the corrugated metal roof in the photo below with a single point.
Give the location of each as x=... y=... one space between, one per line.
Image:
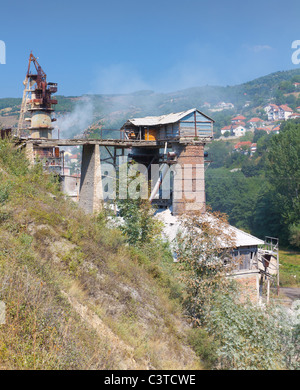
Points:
x=245 y=239
x=162 y=119
x=239 y=237
x=172 y=225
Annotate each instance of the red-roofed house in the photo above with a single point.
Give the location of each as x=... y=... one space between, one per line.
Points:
x=245 y=147
x=265 y=128
x=238 y=119
x=254 y=122
x=276 y=113
x=298 y=108
x=272 y=111
x=253 y=149
x=242 y=143
x=242 y=146
x=295 y=116
x=238 y=130
x=276 y=129
x=285 y=112
x=225 y=129
x=74 y=158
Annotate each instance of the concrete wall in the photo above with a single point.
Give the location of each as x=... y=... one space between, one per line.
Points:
x=91 y=193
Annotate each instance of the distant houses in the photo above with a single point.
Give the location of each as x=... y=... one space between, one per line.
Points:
x=236 y=130
x=255 y=122
x=245 y=147
x=219 y=106
x=276 y=129
x=226 y=129
x=295 y=115
x=269 y=121
x=225 y=106
x=277 y=113
x=238 y=119
x=269 y=129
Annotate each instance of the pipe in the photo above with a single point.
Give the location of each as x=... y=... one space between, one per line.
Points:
x=164 y=171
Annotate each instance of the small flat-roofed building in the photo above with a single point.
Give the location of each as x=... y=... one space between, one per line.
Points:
x=191 y=124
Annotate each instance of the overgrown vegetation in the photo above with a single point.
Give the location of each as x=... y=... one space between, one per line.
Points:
x=290 y=268
x=139 y=226
x=260 y=192
x=229 y=331
x=82 y=295
x=76 y=296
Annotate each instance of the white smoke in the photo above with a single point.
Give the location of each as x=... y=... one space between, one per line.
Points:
x=73 y=124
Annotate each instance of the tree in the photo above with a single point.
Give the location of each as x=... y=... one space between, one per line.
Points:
x=233 y=194
x=202 y=247
x=287 y=86
x=253 y=338
x=218 y=151
x=140 y=226
x=241 y=335
x=279 y=97
x=296 y=78
x=291 y=101
x=283 y=173
x=294 y=237
x=258 y=134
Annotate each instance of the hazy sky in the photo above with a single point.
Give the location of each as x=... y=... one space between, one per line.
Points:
x=120 y=46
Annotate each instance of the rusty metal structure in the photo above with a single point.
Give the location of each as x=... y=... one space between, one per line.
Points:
x=37 y=102
x=36 y=110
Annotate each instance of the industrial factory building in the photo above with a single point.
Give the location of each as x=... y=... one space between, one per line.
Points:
x=36 y=115
x=170 y=140
x=186 y=134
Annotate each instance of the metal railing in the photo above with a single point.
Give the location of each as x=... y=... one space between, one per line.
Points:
x=130 y=135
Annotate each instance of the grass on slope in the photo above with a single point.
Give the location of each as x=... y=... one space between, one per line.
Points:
x=76 y=296
x=289 y=268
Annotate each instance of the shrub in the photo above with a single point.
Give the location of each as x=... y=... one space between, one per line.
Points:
x=295 y=235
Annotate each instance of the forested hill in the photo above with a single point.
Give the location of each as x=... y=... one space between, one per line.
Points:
x=259 y=191
x=111 y=111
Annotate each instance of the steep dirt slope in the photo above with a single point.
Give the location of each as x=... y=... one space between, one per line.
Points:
x=76 y=296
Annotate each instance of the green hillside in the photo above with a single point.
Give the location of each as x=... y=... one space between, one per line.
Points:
x=259 y=191
x=111 y=111
x=76 y=296
x=80 y=294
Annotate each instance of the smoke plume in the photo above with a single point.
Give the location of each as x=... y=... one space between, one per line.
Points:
x=73 y=124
